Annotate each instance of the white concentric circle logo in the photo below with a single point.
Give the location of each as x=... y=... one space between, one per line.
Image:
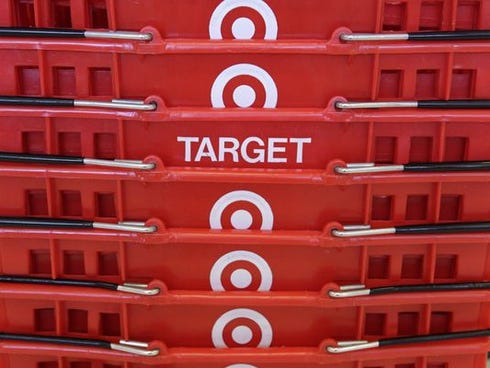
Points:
x=241 y=218
x=242 y=328
x=241 y=366
x=250 y=86
x=246 y=17
x=241 y=270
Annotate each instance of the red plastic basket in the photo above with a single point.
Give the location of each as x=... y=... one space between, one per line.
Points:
x=201 y=261
x=228 y=320
x=270 y=19
x=471 y=354
x=246 y=77
x=323 y=136
x=242 y=206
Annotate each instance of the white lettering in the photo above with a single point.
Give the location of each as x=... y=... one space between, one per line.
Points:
x=233 y=150
x=251 y=150
x=206 y=150
x=299 y=151
x=260 y=154
x=273 y=149
x=188 y=141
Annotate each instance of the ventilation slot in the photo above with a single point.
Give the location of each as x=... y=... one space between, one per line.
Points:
x=61 y=13
x=80 y=365
x=47 y=365
x=71 y=203
x=70 y=144
x=382 y=208
x=385 y=150
x=44 y=320
x=450 y=207
x=110 y=324
x=77 y=320
x=97 y=10
x=463 y=83
x=106 y=206
x=417 y=207
x=64 y=83
x=390 y=84
x=28 y=80
x=33 y=142
x=468 y=14
x=440 y=322
x=431 y=16
x=40 y=262
x=427 y=84
x=456 y=148
x=395 y=15
x=100 y=82
x=412 y=267
x=108 y=263
x=408 y=323
x=421 y=149
x=375 y=324
x=378 y=267
x=24 y=13
x=105 y=145
x=37 y=202
x=73 y=263
x=446 y=267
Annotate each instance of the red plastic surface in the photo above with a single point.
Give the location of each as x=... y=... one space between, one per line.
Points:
x=199 y=262
x=376 y=136
x=309 y=78
x=243 y=206
x=293 y=19
x=470 y=353
x=227 y=320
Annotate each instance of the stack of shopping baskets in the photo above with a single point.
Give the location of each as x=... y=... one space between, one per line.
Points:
x=244 y=183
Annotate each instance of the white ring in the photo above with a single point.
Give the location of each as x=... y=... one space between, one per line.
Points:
x=218 y=88
x=216 y=273
x=241 y=366
x=220 y=325
x=238 y=196
x=222 y=10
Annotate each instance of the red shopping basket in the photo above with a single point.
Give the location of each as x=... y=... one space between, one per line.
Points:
x=468 y=353
x=203 y=260
x=296 y=139
x=79 y=309
x=242 y=205
x=248 y=18
x=247 y=77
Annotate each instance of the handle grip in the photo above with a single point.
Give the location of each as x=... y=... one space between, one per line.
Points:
x=454 y=104
x=447 y=166
x=36 y=101
x=449 y=228
x=475 y=35
x=89 y=343
x=41 y=32
x=40 y=158
x=44 y=222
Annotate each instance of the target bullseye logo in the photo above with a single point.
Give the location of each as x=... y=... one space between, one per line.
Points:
x=241 y=270
x=241 y=366
x=244 y=85
x=243 y=20
x=242 y=328
x=240 y=207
